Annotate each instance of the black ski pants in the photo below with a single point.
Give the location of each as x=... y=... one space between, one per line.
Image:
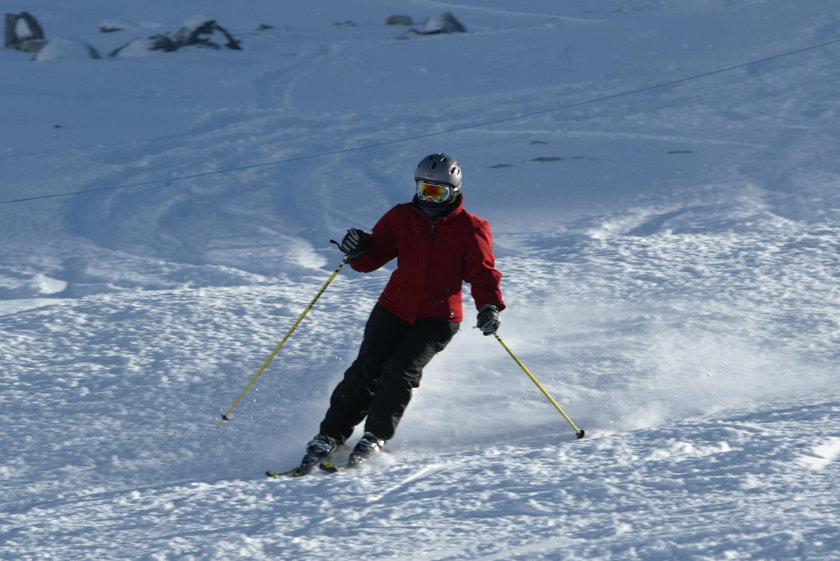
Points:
x=379 y=383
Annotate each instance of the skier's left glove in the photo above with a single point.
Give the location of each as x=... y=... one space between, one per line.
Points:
x=354 y=243
x=488 y=319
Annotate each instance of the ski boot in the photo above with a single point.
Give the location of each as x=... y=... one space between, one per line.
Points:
x=317 y=450
x=369 y=445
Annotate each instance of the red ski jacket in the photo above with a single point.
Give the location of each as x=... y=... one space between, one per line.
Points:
x=434 y=258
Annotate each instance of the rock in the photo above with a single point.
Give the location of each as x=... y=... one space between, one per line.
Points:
x=63 y=47
x=203 y=32
x=442 y=23
x=399 y=20
x=114 y=25
x=31 y=45
x=143 y=46
x=21 y=28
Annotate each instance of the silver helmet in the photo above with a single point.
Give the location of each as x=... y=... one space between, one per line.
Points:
x=440 y=168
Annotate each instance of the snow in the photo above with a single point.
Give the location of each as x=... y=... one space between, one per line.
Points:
x=670 y=258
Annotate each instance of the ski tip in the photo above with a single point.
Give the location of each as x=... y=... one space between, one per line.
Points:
x=580 y=433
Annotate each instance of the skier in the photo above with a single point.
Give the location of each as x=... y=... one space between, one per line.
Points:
x=438 y=245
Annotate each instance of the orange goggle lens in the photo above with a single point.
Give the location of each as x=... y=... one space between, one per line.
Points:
x=433 y=191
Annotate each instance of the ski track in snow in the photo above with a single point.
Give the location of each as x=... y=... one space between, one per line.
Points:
x=670 y=264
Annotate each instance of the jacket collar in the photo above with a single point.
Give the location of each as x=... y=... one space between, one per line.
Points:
x=438 y=211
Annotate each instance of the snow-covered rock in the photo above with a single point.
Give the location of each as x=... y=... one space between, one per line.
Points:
x=65 y=47
x=197 y=31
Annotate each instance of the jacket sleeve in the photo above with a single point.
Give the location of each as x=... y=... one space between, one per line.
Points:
x=381 y=245
x=480 y=271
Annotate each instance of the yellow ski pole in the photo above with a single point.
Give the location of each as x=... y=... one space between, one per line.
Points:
x=226 y=415
x=533 y=378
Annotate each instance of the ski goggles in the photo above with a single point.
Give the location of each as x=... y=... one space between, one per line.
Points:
x=435 y=192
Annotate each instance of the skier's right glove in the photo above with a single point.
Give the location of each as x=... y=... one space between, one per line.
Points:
x=488 y=319
x=354 y=243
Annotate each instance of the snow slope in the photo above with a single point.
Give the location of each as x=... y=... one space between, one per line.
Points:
x=669 y=249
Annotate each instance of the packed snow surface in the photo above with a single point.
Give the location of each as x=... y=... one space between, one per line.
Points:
x=663 y=183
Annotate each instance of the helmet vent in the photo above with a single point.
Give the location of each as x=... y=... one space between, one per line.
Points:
x=439 y=168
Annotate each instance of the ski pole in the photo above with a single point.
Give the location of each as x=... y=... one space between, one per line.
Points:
x=533 y=378
x=226 y=415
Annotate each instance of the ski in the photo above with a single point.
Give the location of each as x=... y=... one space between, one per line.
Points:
x=304 y=468
x=325 y=466
x=330 y=467
x=294 y=472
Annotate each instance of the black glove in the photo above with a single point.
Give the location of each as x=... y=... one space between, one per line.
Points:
x=354 y=243
x=488 y=319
